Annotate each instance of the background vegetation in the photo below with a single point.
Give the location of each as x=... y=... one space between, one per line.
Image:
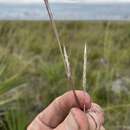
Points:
x=32 y=73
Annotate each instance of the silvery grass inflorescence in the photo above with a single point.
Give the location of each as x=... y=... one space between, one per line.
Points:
x=85 y=71
x=64 y=55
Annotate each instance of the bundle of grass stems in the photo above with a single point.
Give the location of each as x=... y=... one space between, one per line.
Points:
x=65 y=58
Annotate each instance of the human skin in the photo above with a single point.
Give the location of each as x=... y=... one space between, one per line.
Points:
x=64 y=113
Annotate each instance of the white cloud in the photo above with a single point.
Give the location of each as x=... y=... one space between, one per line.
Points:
x=82 y=1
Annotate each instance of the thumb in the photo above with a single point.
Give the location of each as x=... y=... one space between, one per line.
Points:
x=76 y=120
x=95 y=117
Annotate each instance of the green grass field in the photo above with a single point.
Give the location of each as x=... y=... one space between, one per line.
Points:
x=32 y=72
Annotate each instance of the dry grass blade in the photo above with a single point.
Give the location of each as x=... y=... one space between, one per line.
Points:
x=63 y=53
x=56 y=33
x=85 y=68
x=54 y=28
x=85 y=71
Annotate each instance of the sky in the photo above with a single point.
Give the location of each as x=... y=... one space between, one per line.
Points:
x=81 y=1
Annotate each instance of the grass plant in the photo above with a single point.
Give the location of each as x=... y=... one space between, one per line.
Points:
x=30 y=64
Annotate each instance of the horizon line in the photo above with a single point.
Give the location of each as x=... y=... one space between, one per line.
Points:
x=74 y=2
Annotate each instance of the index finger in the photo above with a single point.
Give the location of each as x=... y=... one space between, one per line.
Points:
x=56 y=112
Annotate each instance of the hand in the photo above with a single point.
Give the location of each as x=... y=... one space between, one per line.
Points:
x=65 y=114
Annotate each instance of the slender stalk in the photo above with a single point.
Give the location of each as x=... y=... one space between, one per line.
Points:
x=50 y=14
x=63 y=52
x=85 y=68
x=85 y=72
